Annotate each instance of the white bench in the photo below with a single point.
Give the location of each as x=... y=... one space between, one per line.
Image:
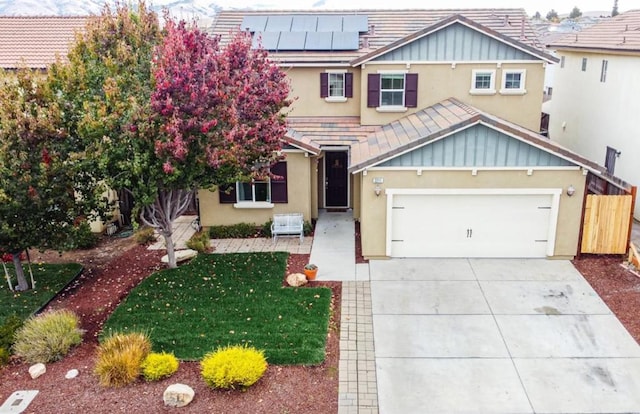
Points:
x=287 y=224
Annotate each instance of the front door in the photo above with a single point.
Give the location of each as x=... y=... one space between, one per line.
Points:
x=336 y=179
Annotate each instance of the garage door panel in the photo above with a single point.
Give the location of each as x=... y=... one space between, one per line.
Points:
x=470 y=225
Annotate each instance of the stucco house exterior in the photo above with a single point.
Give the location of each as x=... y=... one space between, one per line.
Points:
x=595 y=105
x=422 y=123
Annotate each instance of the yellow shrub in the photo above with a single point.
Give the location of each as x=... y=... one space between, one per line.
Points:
x=47 y=337
x=233 y=366
x=159 y=365
x=120 y=358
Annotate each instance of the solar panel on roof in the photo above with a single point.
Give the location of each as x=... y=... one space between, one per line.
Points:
x=278 y=24
x=292 y=40
x=355 y=23
x=268 y=40
x=329 y=23
x=318 y=41
x=304 y=23
x=254 y=23
x=345 y=41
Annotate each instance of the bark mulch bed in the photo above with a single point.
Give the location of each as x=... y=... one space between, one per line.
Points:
x=111 y=271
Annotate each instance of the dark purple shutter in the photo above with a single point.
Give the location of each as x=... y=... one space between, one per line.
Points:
x=411 y=90
x=373 y=90
x=227 y=193
x=279 y=184
x=348 y=85
x=324 y=85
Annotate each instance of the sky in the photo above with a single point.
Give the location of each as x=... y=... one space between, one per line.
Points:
x=531 y=6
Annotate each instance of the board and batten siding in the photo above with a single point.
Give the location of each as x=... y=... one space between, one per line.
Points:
x=456 y=42
x=477 y=146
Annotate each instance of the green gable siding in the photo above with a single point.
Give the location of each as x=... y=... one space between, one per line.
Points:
x=477 y=146
x=456 y=43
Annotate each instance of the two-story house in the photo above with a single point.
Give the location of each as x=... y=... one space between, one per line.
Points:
x=420 y=121
x=595 y=97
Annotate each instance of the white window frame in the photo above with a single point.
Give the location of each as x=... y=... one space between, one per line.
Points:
x=513 y=91
x=336 y=98
x=483 y=91
x=393 y=108
x=253 y=203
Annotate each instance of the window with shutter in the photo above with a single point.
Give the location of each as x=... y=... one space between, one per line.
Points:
x=227 y=193
x=279 y=183
x=348 y=85
x=411 y=90
x=324 y=85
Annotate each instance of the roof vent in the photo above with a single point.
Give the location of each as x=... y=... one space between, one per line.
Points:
x=365 y=42
x=372 y=29
x=506 y=20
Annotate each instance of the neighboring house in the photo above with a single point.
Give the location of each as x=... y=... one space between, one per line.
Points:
x=35 y=43
x=420 y=121
x=595 y=105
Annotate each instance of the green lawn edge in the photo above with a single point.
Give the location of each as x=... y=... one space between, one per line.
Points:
x=227 y=299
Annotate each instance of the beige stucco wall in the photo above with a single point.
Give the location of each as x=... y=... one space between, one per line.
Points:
x=374 y=209
x=298 y=190
x=587 y=115
x=305 y=90
x=437 y=82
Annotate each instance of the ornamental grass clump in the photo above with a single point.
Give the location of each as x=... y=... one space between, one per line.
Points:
x=233 y=367
x=120 y=357
x=47 y=337
x=157 y=366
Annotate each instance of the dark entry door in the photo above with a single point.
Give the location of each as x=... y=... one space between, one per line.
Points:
x=336 y=179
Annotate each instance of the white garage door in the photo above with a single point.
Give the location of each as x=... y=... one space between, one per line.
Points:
x=471 y=225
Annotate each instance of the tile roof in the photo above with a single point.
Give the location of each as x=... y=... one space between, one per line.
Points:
x=37 y=40
x=620 y=33
x=386 y=26
x=372 y=145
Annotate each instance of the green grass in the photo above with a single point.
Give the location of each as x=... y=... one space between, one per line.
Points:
x=227 y=299
x=50 y=279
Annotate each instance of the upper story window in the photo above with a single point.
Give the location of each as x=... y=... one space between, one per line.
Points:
x=336 y=85
x=603 y=71
x=513 y=82
x=584 y=64
x=392 y=91
x=483 y=82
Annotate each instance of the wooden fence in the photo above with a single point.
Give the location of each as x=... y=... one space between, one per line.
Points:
x=606 y=225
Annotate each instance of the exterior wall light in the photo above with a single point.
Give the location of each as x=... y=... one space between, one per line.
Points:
x=377 y=190
x=571 y=190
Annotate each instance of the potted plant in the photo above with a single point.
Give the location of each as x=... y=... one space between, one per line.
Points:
x=310 y=270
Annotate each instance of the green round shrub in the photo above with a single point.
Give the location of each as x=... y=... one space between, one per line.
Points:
x=157 y=366
x=47 y=337
x=4 y=356
x=233 y=366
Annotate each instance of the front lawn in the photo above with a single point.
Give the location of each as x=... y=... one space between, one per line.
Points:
x=222 y=299
x=50 y=279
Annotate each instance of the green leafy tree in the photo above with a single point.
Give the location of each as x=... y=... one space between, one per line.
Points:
x=575 y=13
x=614 y=11
x=41 y=193
x=552 y=15
x=537 y=15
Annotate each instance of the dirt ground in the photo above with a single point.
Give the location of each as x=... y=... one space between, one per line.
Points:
x=111 y=271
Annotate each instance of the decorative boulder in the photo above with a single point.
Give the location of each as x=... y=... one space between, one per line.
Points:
x=178 y=395
x=181 y=256
x=296 y=279
x=37 y=370
x=72 y=373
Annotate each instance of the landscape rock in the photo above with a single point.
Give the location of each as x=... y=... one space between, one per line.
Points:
x=178 y=395
x=296 y=279
x=181 y=255
x=72 y=373
x=37 y=370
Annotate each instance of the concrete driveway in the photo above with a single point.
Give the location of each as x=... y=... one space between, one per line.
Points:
x=497 y=336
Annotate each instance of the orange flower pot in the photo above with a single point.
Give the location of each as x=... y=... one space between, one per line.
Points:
x=310 y=273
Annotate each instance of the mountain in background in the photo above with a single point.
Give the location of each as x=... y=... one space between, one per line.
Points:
x=181 y=9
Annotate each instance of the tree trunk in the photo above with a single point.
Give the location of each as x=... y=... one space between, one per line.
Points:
x=22 y=281
x=171 y=251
